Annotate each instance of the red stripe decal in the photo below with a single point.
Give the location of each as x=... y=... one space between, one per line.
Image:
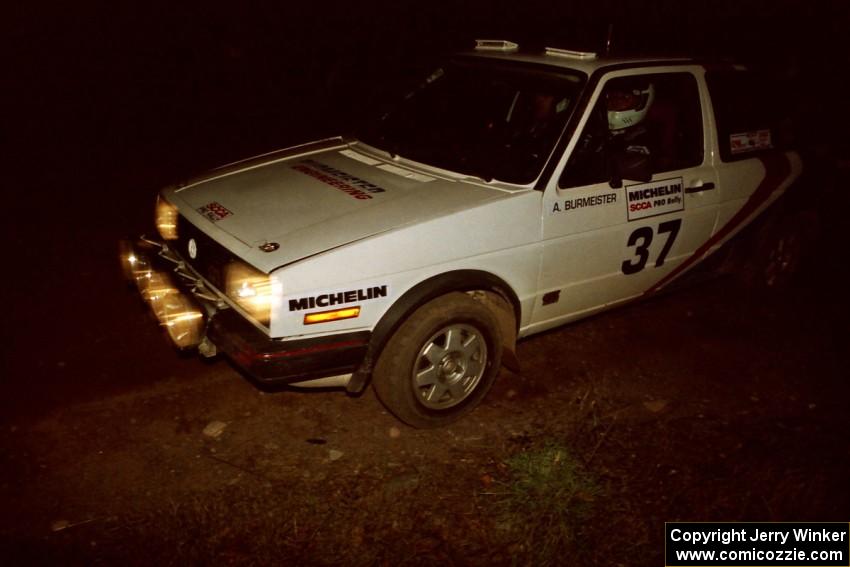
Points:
x=777 y=168
x=308 y=350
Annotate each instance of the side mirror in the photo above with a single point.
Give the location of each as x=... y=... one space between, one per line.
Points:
x=635 y=166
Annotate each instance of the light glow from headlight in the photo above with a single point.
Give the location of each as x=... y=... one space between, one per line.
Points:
x=166 y=219
x=251 y=289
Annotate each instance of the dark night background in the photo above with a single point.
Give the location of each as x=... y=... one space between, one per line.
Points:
x=106 y=103
x=110 y=88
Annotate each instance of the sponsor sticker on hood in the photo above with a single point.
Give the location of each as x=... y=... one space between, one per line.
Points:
x=214 y=211
x=354 y=186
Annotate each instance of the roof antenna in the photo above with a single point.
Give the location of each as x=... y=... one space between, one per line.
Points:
x=609 y=39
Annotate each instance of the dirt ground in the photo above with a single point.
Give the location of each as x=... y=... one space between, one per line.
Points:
x=713 y=403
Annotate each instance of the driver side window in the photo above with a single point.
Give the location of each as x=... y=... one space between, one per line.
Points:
x=657 y=116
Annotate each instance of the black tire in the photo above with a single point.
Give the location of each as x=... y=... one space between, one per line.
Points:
x=780 y=249
x=431 y=390
x=782 y=253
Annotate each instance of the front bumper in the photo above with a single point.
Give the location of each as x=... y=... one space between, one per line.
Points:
x=194 y=315
x=285 y=362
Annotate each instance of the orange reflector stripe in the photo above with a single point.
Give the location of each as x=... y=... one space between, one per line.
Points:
x=328 y=316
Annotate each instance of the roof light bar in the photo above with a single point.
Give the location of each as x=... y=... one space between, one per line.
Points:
x=570 y=53
x=495 y=45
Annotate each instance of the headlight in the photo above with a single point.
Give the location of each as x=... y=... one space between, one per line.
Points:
x=166 y=219
x=251 y=289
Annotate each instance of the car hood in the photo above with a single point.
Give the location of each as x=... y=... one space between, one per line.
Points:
x=317 y=199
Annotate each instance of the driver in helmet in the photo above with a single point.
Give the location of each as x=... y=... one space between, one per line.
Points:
x=617 y=124
x=626 y=110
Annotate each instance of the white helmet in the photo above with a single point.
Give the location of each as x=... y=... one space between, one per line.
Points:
x=628 y=107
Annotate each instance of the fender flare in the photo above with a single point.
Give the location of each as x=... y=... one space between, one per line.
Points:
x=418 y=295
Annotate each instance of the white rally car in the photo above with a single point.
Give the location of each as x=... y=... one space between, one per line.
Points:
x=506 y=194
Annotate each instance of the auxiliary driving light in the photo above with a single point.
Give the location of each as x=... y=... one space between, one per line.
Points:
x=157 y=292
x=181 y=317
x=166 y=219
x=182 y=320
x=135 y=265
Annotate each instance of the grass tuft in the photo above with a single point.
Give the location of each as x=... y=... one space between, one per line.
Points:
x=547 y=498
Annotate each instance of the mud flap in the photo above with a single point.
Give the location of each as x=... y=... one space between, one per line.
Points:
x=504 y=313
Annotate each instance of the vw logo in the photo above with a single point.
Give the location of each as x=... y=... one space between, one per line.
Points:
x=193 y=248
x=269 y=246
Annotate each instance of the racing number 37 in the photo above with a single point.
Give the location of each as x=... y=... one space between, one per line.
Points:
x=641 y=238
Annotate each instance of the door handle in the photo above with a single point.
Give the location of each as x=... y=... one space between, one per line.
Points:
x=704 y=187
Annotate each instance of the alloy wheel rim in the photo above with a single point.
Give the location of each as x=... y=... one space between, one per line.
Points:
x=449 y=366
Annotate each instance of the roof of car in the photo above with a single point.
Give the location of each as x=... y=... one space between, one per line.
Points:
x=586 y=62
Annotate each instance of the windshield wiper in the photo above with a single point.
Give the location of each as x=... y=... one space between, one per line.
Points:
x=379 y=140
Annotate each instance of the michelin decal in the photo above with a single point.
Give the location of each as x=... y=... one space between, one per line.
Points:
x=654 y=198
x=343 y=297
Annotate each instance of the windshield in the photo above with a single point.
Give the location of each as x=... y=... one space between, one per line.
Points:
x=489 y=119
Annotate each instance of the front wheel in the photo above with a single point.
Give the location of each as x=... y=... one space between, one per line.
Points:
x=441 y=361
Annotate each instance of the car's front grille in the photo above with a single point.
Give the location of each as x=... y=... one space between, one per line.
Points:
x=211 y=258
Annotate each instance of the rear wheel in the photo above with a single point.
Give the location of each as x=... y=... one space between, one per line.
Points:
x=783 y=252
x=779 y=250
x=441 y=361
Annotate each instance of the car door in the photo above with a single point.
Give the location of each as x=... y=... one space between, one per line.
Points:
x=605 y=239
